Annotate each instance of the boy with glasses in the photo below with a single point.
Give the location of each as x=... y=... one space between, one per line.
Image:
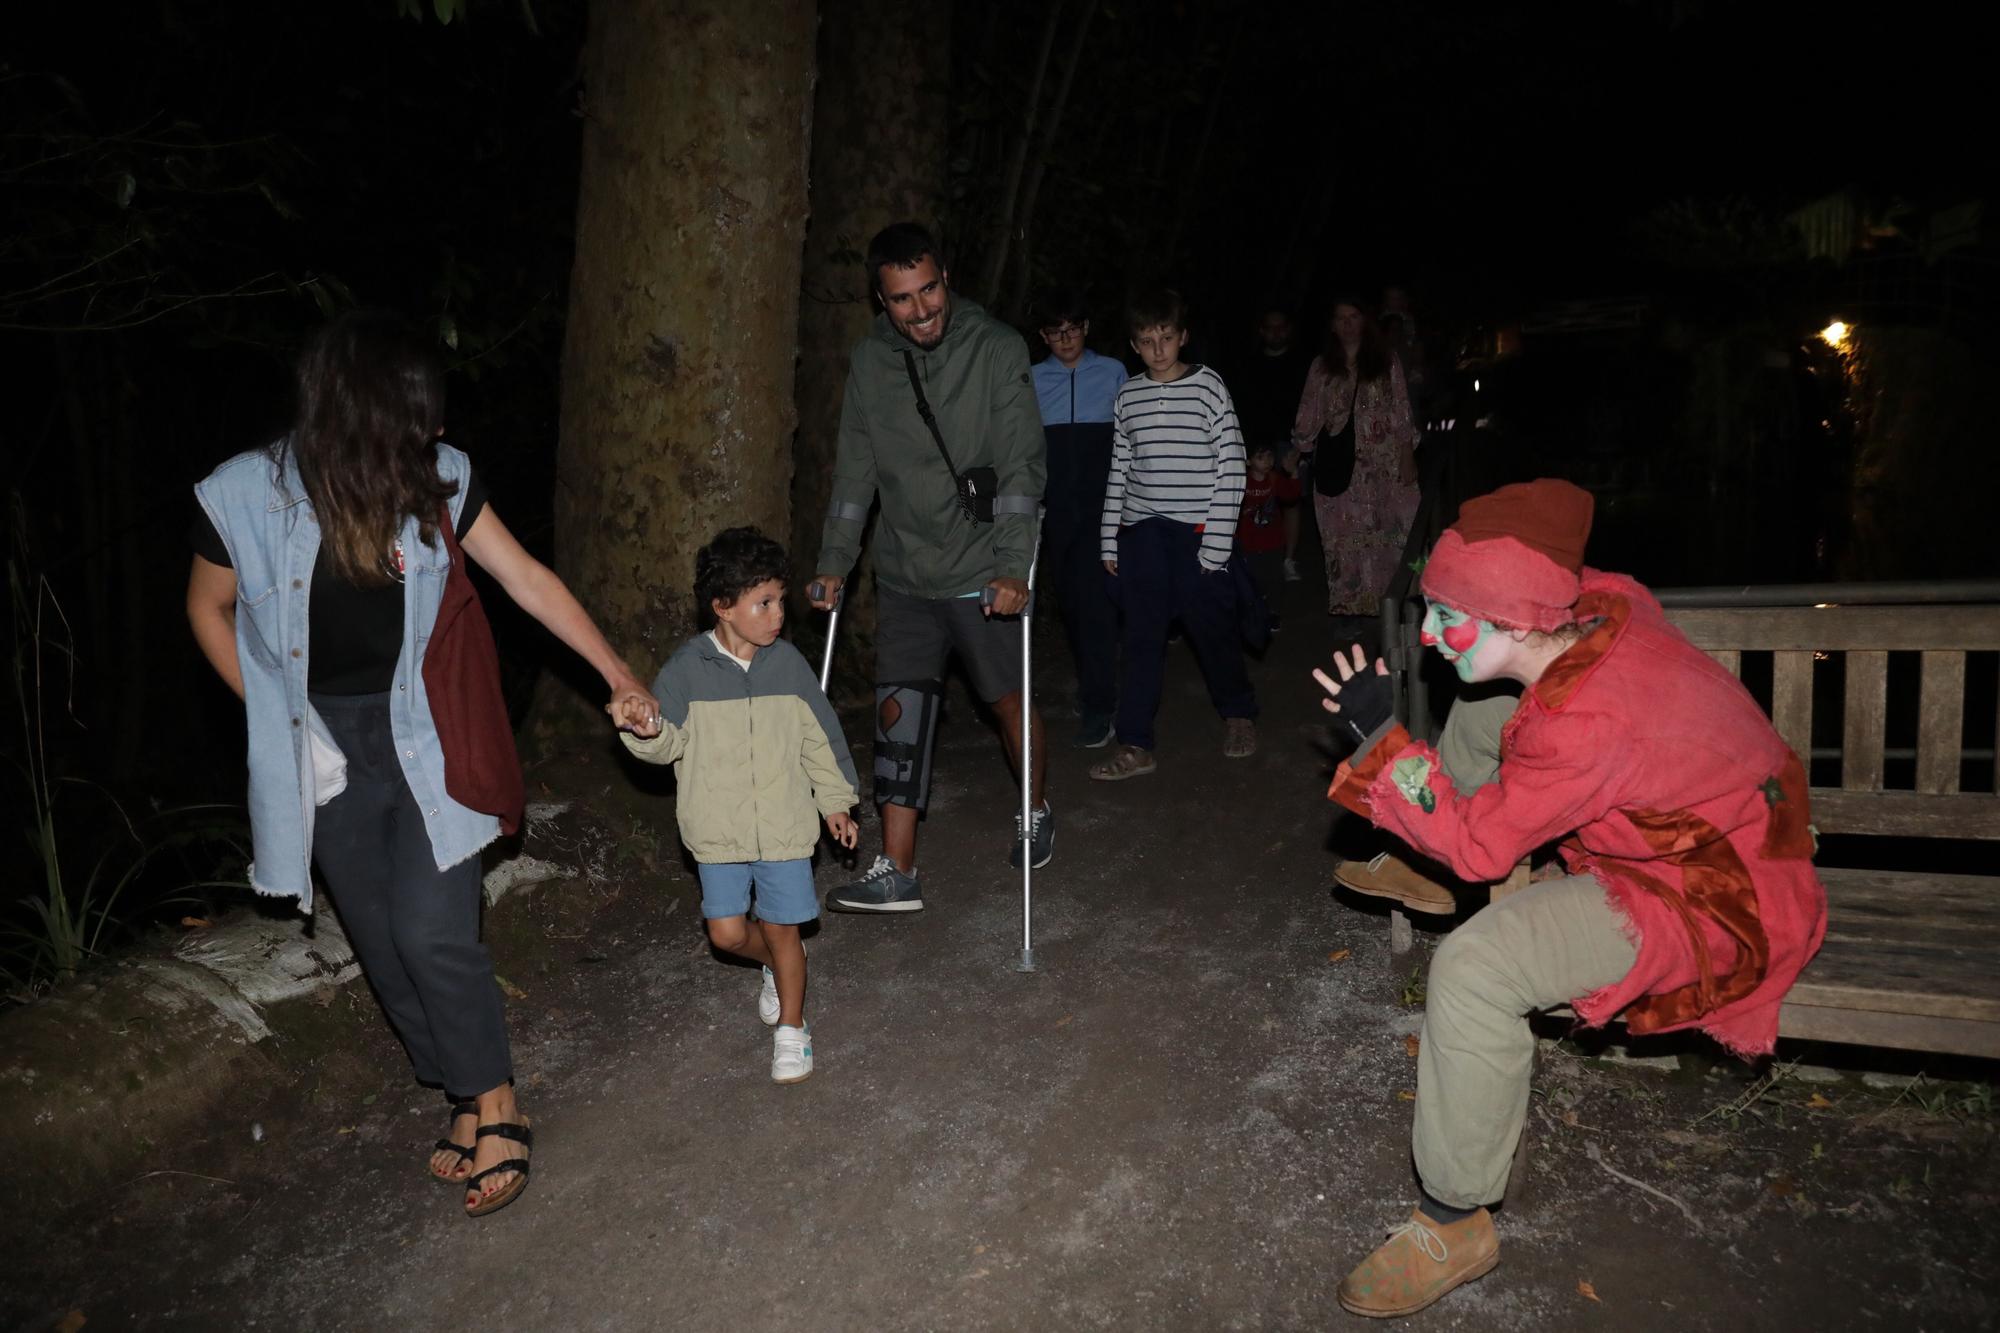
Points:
x=1076 y=389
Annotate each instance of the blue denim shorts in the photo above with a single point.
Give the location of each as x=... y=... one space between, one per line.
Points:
x=785 y=895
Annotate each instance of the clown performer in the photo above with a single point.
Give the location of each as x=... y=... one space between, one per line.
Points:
x=1689 y=898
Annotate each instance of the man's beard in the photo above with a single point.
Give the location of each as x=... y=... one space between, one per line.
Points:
x=936 y=337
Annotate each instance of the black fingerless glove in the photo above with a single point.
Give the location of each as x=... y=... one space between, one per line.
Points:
x=1366 y=702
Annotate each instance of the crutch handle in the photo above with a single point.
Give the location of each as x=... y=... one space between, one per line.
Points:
x=816 y=592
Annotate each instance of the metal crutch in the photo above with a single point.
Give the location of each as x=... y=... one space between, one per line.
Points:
x=1027 y=963
x=814 y=591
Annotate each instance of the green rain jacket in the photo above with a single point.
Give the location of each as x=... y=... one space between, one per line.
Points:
x=978 y=385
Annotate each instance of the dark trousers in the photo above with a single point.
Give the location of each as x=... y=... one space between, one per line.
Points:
x=1268 y=569
x=1074 y=570
x=1160 y=579
x=414 y=927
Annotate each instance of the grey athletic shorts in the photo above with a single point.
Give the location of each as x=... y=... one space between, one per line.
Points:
x=914 y=636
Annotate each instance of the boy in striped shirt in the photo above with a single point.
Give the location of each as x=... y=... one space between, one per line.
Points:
x=1170 y=512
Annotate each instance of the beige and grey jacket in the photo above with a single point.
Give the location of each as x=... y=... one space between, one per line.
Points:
x=758 y=754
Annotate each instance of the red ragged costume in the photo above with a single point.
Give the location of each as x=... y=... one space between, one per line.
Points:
x=1674 y=792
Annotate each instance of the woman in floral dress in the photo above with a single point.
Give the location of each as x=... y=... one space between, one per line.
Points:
x=1363 y=529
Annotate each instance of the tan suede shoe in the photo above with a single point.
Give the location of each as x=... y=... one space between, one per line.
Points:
x=1420 y=1262
x=1389 y=877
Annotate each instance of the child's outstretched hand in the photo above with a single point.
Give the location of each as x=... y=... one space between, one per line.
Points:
x=844 y=830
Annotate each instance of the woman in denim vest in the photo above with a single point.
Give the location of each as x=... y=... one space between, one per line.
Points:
x=318 y=573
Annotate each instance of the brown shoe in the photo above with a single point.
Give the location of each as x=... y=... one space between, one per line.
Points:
x=1420 y=1262
x=1387 y=876
x=1127 y=761
x=1239 y=738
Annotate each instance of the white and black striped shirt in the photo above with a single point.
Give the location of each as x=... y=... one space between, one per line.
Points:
x=1176 y=452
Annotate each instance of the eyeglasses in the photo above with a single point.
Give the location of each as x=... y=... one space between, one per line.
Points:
x=1059 y=332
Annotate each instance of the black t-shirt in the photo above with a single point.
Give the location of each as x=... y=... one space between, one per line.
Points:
x=1266 y=391
x=357 y=632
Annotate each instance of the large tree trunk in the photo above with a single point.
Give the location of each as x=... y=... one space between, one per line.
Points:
x=677 y=411
x=878 y=157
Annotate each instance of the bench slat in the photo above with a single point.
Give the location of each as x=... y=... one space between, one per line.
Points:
x=1803 y=1020
x=1836 y=629
x=1728 y=659
x=1865 y=722
x=1940 y=721
x=1958 y=912
x=1912 y=814
x=1791 y=699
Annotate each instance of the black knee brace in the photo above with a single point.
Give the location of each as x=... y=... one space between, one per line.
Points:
x=906 y=714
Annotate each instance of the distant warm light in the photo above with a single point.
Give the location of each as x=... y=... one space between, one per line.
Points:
x=1835 y=334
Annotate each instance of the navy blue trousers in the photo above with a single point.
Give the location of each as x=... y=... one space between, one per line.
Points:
x=1073 y=568
x=1160 y=580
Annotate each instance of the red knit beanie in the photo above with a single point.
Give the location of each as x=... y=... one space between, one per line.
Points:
x=1513 y=556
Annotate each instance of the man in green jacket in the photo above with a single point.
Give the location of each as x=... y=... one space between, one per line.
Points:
x=933 y=560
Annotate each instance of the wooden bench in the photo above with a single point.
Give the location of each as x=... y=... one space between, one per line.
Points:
x=1912 y=957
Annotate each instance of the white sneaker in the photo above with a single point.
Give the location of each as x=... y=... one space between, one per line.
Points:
x=1291 y=571
x=791 y=1055
x=767 y=999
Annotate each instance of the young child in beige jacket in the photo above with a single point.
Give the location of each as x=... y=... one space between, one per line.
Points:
x=759 y=760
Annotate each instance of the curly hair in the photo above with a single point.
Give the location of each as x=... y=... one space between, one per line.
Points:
x=370 y=408
x=737 y=560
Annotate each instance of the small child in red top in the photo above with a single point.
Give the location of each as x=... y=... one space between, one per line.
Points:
x=1260 y=532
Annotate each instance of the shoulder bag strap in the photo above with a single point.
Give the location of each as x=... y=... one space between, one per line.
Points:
x=924 y=411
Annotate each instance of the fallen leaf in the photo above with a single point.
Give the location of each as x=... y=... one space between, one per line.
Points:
x=1405 y=1094
x=1585 y=1290
x=69 y=1323
x=1818 y=1102
x=1412 y=1044
x=979 y=1249
x=369 y=1100
x=345 y=1129
x=978 y=1273
x=1569 y=1118
x=1338 y=954
x=192 y=923
x=1064 y=1020
x=514 y=992
x=1784 y=1187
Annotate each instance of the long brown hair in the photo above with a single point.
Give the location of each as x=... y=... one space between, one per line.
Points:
x=1371 y=358
x=371 y=402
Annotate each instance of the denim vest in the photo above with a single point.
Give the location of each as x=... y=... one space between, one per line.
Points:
x=267 y=523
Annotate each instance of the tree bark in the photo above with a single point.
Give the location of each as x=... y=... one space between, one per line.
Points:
x=677 y=411
x=878 y=156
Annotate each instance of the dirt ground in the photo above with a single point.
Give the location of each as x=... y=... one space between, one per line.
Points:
x=1194 y=1115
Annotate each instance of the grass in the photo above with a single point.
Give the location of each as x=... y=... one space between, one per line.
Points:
x=70 y=914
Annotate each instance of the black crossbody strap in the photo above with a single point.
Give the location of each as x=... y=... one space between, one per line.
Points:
x=924 y=411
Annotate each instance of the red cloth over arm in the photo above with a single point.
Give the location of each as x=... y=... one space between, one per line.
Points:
x=1556 y=776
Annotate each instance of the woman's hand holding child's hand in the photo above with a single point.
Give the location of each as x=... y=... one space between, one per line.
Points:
x=637 y=712
x=844 y=830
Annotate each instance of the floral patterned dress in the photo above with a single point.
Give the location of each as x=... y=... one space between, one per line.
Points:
x=1363 y=529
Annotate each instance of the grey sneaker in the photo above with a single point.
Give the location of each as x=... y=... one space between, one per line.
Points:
x=1044 y=835
x=883 y=889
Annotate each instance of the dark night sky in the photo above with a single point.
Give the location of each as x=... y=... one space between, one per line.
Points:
x=1510 y=148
